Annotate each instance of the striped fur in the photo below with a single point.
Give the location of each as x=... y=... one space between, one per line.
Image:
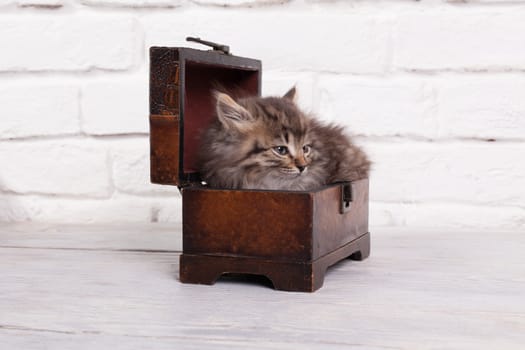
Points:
x=268 y=143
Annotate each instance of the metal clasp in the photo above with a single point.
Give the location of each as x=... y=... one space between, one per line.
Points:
x=225 y=49
x=346 y=197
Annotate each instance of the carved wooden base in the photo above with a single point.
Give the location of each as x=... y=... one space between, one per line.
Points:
x=307 y=276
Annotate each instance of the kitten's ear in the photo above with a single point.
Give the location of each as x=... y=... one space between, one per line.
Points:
x=231 y=114
x=291 y=94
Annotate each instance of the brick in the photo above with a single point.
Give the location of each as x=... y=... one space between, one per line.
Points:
x=133 y=3
x=233 y=3
x=487 y=1
x=278 y=83
x=118 y=208
x=379 y=106
x=38 y=110
x=489 y=106
x=446 y=216
x=41 y=3
x=111 y=106
x=12 y=209
x=131 y=169
x=67 y=43
x=460 y=38
x=284 y=40
x=449 y=106
x=74 y=167
x=474 y=173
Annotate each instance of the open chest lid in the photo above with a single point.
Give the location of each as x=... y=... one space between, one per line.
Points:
x=182 y=106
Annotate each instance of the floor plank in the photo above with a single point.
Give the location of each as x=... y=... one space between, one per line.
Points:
x=116 y=288
x=158 y=236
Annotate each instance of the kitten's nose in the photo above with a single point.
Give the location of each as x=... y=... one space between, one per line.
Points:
x=300 y=163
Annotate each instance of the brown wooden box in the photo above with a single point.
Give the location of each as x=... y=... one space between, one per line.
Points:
x=289 y=237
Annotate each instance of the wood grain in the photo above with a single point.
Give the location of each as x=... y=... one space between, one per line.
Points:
x=65 y=287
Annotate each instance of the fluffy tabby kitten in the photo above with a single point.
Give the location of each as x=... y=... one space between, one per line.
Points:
x=269 y=143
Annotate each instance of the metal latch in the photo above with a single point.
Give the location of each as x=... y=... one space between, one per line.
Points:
x=216 y=47
x=346 y=197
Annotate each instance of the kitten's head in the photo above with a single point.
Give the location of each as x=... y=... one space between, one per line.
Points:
x=264 y=140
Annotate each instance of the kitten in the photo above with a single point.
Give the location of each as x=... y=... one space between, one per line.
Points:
x=269 y=143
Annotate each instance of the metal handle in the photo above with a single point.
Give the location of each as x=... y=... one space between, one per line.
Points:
x=215 y=46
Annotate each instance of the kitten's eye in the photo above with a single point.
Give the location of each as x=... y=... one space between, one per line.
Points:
x=306 y=149
x=281 y=150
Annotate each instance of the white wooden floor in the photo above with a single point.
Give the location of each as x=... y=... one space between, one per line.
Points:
x=116 y=287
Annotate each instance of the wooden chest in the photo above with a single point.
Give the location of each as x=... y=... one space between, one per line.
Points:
x=289 y=237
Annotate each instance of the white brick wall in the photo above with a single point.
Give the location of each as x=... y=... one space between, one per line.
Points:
x=465 y=38
x=34 y=109
x=434 y=90
x=75 y=42
x=65 y=167
x=115 y=105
